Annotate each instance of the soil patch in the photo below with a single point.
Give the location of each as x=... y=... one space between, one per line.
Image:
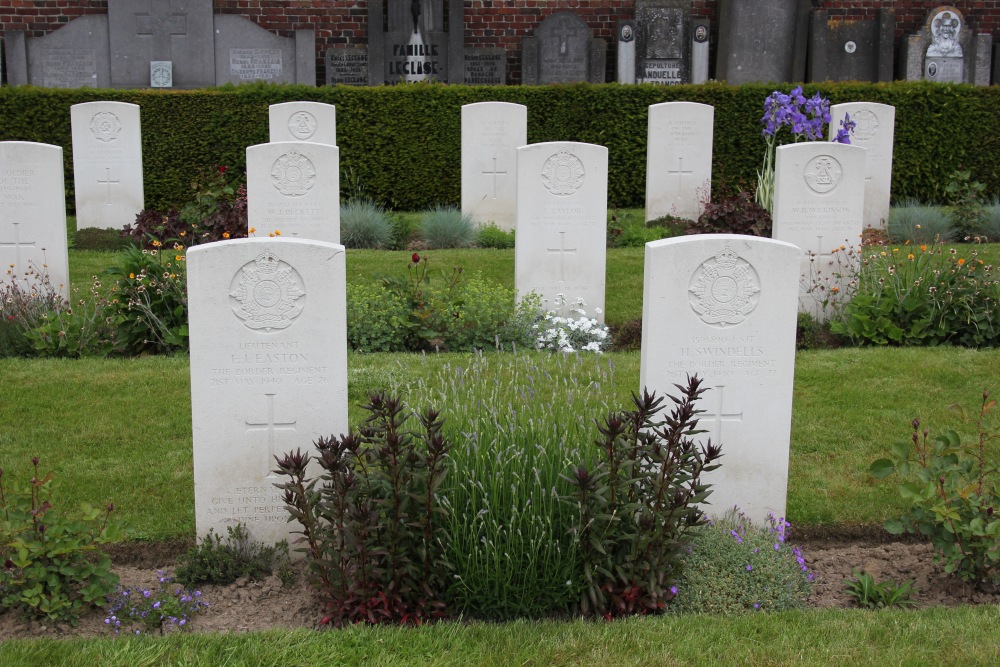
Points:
x=831 y=554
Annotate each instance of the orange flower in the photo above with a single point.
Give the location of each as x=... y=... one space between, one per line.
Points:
x=961 y=261
x=923 y=248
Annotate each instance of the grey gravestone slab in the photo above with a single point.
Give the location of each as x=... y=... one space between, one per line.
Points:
x=996 y=64
x=762 y=41
x=411 y=57
x=700 y=33
x=347 y=66
x=75 y=56
x=626 y=51
x=245 y=52
x=945 y=50
x=176 y=30
x=376 y=44
x=563 y=51
x=851 y=50
x=663 y=41
x=487 y=66
x=457 y=64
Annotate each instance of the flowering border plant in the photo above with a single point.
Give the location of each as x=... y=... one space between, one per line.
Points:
x=571 y=334
x=163 y=608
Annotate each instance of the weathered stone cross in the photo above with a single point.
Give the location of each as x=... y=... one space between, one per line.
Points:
x=160 y=25
x=270 y=426
x=494 y=174
x=562 y=250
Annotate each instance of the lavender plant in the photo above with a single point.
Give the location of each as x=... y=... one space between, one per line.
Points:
x=164 y=608
x=806 y=119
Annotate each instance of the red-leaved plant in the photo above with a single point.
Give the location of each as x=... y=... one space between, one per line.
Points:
x=372 y=525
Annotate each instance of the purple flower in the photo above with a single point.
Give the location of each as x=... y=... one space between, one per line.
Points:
x=756 y=605
x=673 y=590
x=749 y=568
x=777 y=546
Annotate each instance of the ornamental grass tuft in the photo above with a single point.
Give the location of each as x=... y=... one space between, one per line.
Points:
x=446 y=227
x=365 y=224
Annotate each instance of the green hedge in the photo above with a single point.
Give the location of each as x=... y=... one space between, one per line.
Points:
x=402 y=143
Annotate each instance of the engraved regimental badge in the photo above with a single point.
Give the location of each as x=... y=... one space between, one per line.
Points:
x=823 y=173
x=724 y=290
x=563 y=174
x=865 y=125
x=267 y=294
x=105 y=126
x=302 y=125
x=293 y=174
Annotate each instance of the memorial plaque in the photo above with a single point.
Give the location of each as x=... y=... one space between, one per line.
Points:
x=255 y=64
x=663 y=41
x=69 y=68
x=347 y=66
x=486 y=67
x=161 y=74
x=411 y=57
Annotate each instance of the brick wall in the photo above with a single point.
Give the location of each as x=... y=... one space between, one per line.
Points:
x=487 y=22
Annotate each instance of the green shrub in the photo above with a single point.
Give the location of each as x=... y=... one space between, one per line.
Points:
x=149 y=299
x=491 y=236
x=82 y=330
x=918 y=224
x=223 y=561
x=924 y=295
x=955 y=491
x=445 y=227
x=966 y=198
x=628 y=231
x=24 y=306
x=734 y=566
x=373 y=525
x=53 y=567
x=377 y=319
x=487 y=315
x=365 y=224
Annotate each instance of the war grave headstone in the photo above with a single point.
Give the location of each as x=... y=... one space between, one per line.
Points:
x=347 y=66
x=33 y=242
x=74 y=56
x=819 y=205
x=874 y=129
x=268 y=339
x=246 y=52
x=314 y=122
x=562 y=50
x=293 y=187
x=179 y=31
x=762 y=41
x=724 y=306
x=485 y=67
x=946 y=51
x=107 y=164
x=415 y=44
x=663 y=41
x=491 y=134
x=562 y=203
x=679 y=159
x=851 y=50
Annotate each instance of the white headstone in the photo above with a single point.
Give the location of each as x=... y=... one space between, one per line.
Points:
x=33 y=216
x=268 y=340
x=562 y=208
x=875 y=126
x=679 y=159
x=491 y=134
x=107 y=164
x=724 y=306
x=819 y=205
x=293 y=187
x=303 y=121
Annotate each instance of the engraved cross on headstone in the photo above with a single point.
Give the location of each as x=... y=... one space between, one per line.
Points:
x=494 y=174
x=680 y=171
x=563 y=33
x=270 y=426
x=107 y=181
x=159 y=25
x=721 y=416
x=819 y=251
x=562 y=250
x=16 y=244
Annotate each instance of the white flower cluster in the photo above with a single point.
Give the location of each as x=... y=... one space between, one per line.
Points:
x=576 y=332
